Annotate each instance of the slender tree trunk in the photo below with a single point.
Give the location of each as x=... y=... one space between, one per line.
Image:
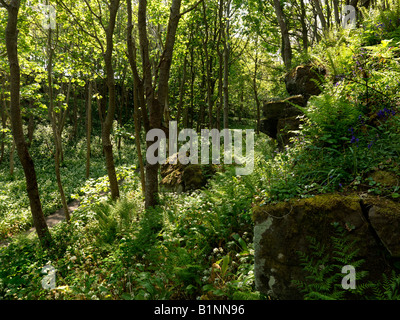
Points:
x=108 y=122
x=320 y=13
x=182 y=90
x=156 y=100
x=62 y=120
x=136 y=92
x=57 y=139
x=192 y=80
x=336 y=12
x=226 y=38
x=203 y=89
x=31 y=124
x=75 y=116
x=304 y=27
x=255 y=89
x=286 y=46
x=3 y=122
x=16 y=122
x=208 y=67
x=241 y=100
x=12 y=151
x=88 y=128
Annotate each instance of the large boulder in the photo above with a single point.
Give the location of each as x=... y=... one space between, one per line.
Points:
x=178 y=177
x=276 y=114
x=284 y=229
x=305 y=80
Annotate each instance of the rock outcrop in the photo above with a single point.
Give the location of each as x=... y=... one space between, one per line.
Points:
x=277 y=114
x=305 y=80
x=281 y=117
x=283 y=229
x=177 y=177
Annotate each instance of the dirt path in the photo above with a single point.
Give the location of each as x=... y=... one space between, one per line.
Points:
x=51 y=220
x=59 y=215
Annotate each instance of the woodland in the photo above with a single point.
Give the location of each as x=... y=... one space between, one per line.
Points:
x=82 y=83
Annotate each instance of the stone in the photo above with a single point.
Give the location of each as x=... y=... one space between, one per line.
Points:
x=305 y=80
x=181 y=178
x=275 y=111
x=385 y=178
x=281 y=230
x=286 y=128
x=384 y=216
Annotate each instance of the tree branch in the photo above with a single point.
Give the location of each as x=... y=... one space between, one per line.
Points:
x=82 y=28
x=97 y=16
x=191 y=8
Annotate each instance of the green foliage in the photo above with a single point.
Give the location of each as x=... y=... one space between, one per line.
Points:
x=389 y=287
x=323 y=268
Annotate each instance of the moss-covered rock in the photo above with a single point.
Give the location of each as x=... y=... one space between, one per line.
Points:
x=384 y=216
x=283 y=229
x=305 y=80
x=275 y=111
x=177 y=177
x=385 y=178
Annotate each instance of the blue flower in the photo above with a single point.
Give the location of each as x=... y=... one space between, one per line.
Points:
x=354 y=139
x=380 y=114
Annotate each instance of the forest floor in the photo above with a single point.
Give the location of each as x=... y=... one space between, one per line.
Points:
x=51 y=220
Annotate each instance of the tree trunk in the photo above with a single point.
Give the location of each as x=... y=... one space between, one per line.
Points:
x=57 y=138
x=136 y=92
x=220 y=54
x=286 y=46
x=108 y=122
x=320 y=14
x=304 y=27
x=12 y=151
x=255 y=89
x=31 y=124
x=88 y=128
x=75 y=116
x=191 y=98
x=155 y=100
x=16 y=122
x=226 y=65
x=208 y=68
x=3 y=122
x=182 y=91
x=336 y=12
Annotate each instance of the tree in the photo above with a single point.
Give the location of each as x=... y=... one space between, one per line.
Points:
x=53 y=122
x=107 y=52
x=156 y=94
x=226 y=55
x=286 y=50
x=16 y=123
x=137 y=93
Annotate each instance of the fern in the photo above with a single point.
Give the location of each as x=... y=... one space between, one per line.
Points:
x=323 y=269
x=246 y=295
x=389 y=288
